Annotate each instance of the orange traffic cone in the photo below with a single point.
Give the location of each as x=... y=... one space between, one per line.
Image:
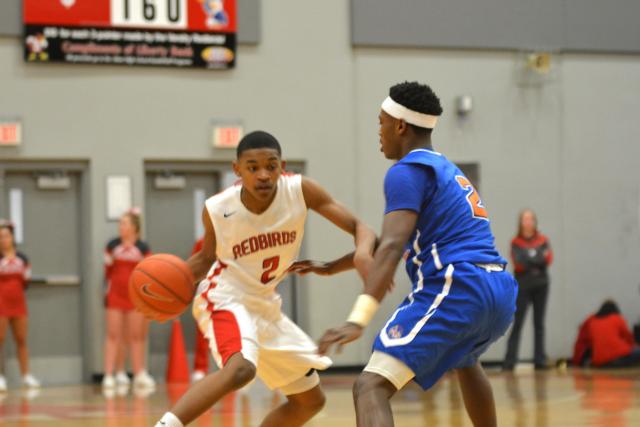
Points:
x=177 y=365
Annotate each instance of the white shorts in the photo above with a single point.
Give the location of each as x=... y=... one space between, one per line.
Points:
x=282 y=353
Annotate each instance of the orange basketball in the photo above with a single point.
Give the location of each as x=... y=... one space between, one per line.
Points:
x=161 y=286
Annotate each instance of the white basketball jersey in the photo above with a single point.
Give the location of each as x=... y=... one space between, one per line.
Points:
x=254 y=251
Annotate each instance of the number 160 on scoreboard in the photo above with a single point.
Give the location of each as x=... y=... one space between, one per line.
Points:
x=149 y=13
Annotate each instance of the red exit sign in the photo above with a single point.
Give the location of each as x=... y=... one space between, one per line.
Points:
x=10 y=133
x=227 y=136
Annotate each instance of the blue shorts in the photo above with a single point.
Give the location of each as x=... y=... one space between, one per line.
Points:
x=449 y=321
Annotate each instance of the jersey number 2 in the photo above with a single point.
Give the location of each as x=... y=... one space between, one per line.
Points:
x=477 y=209
x=270 y=265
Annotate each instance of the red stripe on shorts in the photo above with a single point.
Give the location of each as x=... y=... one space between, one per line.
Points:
x=227 y=334
x=216 y=272
x=212 y=281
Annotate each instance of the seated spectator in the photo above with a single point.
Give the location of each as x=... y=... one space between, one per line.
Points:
x=605 y=340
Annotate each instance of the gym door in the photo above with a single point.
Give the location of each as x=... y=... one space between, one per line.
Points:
x=173 y=208
x=46 y=209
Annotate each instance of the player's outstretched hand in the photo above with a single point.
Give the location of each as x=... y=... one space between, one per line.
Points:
x=309 y=266
x=341 y=335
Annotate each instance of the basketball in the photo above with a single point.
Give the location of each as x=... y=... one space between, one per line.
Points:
x=161 y=287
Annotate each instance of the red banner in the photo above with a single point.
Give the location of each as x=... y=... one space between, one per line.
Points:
x=134 y=32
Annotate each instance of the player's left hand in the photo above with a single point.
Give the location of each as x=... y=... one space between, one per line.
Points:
x=341 y=335
x=309 y=266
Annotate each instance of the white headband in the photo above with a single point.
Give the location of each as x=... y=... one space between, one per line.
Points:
x=398 y=111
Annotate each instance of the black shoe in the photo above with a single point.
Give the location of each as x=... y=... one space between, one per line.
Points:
x=541 y=367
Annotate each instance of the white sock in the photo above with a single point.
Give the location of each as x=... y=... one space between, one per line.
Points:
x=169 y=420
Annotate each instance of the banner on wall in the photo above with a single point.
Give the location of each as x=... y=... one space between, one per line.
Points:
x=173 y=33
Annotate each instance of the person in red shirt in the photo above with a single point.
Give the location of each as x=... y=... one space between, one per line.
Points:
x=201 y=355
x=15 y=273
x=582 y=346
x=531 y=256
x=608 y=340
x=126 y=328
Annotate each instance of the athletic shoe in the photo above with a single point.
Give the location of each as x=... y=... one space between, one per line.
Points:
x=108 y=382
x=29 y=381
x=197 y=376
x=3 y=384
x=122 y=390
x=144 y=380
x=122 y=379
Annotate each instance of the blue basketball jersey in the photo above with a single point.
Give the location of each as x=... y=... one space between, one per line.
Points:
x=452 y=226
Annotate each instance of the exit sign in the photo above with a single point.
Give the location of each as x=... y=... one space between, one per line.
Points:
x=226 y=135
x=10 y=133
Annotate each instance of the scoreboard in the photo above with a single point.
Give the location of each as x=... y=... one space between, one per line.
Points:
x=170 y=13
x=175 y=33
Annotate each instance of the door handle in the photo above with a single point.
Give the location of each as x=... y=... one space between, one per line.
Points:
x=56 y=280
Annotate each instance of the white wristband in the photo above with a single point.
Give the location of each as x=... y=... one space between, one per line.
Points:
x=363 y=310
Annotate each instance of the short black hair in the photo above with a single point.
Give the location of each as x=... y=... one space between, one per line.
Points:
x=417 y=97
x=608 y=307
x=258 y=139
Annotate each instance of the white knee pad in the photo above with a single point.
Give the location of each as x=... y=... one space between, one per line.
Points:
x=390 y=368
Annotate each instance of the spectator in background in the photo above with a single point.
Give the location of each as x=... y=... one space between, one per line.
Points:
x=531 y=256
x=126 y=328
x=605 y=340
x=15 y=273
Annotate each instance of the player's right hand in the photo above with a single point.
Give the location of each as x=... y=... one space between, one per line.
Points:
x=309 y=266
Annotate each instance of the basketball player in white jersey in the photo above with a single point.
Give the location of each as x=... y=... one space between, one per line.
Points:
x=253 y=234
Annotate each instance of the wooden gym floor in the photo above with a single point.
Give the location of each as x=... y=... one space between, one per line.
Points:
x=551 y=398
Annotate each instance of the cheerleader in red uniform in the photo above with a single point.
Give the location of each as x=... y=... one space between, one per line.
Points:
x=15 y=272
x=126 y=328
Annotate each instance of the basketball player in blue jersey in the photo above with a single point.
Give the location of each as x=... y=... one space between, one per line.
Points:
x=462 y=298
